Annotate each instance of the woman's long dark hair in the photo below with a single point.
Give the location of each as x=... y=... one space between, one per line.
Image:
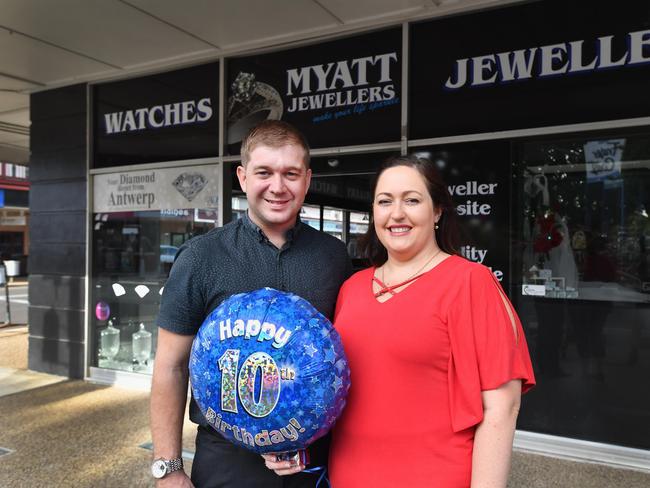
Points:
x=447 y=234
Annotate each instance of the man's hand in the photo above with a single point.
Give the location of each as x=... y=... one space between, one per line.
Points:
x=283 y=468
x=168 y=399
x=177 y=479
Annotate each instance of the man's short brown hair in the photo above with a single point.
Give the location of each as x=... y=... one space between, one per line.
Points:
x=274 y=134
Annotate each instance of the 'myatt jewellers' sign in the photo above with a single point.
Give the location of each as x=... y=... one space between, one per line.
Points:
x=327 y=90
x=550 y=60
x=162 y=117
x=184 y=187
x=553 y=63
x=342 y=84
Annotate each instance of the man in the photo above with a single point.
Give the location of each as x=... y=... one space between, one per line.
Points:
x=268 y=246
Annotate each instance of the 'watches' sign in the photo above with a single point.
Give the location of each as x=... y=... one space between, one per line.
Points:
x=162 y=117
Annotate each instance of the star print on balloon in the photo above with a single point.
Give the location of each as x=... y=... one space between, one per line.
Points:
x=268 y=371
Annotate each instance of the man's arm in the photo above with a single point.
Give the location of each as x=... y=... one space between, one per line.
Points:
x=168 y=399
x=494 y=435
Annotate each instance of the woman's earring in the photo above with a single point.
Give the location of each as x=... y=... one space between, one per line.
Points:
x=436 y=226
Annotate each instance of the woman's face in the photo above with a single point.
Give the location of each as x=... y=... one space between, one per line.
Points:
x=404 y=213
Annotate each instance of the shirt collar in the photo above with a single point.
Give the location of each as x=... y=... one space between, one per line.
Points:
x=290 y=235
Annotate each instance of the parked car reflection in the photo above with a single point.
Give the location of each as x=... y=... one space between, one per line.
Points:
x=167 y=253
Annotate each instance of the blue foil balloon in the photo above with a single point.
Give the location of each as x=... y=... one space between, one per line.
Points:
x=268 y=371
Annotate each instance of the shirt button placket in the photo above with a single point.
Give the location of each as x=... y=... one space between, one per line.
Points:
x=280 y=274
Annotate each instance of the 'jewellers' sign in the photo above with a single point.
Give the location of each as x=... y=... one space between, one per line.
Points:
x=163 y=117
x=553 y=63
x=327 y=90
x=158 y=189
x=551 y=60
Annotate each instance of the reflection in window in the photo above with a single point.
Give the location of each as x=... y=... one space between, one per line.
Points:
x=582 y=234
x=133 y=253
x=333 y=222
x=586 y=229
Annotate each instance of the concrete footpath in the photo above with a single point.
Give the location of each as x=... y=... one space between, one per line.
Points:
x=56 y=432
x=63 y=433
x=71 y=433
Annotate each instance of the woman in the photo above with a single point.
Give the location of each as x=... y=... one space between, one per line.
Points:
x=437 y=354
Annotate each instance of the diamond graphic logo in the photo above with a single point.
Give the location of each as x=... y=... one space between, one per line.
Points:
x=249 y=103
x=190 y=184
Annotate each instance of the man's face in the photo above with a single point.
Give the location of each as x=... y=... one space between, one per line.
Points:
x=275 y=181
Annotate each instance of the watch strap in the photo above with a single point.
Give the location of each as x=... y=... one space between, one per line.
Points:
x=174 y=465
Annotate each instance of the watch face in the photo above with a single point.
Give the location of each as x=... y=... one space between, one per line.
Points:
x=158 y=468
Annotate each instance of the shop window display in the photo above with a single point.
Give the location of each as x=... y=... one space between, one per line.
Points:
x=132 y=255
x=333 y=222
x=586 y=228
x=581 y=248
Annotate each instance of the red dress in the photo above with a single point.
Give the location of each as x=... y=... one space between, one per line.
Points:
x=418 y=363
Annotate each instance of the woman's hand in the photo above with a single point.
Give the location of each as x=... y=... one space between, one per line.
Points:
x=283 y=467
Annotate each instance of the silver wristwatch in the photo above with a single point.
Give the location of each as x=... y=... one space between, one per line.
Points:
x=162 y=467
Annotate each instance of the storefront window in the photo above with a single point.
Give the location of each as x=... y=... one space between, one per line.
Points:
x=333 y=221
x=586 y=229
x=582 y=238
x=132 y=255
x=239 y=207
x=140 y=220
x=358 y=227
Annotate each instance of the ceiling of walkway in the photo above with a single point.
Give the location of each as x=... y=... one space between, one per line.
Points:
x=50 y=43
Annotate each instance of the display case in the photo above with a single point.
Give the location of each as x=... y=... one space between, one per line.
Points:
x=580 y=245
x=584 y=226
x=141 y=218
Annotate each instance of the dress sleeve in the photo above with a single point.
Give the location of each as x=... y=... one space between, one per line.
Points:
x=487 y=349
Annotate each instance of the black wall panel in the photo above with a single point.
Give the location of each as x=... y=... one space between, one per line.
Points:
x=54 y=356
x=44 y=290
x=56 y=134
x=56 y=324
x=58 y=227
x=57 y=259
x=58 y=165
x=54 y=104
x=58 y=196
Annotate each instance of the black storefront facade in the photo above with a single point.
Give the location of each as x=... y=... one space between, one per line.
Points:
x=542 y=131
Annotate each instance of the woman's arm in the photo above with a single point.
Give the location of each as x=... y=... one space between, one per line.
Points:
x=494 y=436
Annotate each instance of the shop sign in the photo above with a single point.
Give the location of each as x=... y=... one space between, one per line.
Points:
x=328 y=91
x=533 y=290
x=477 y=179
x=13 y=220
x=603 y=159
x=167 y=115
x=553 y=63
x=339 y=187
x=162 y=117
x=552 y=60
x=167 y=190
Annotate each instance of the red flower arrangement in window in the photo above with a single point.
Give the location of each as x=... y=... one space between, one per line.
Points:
x=549 y=237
